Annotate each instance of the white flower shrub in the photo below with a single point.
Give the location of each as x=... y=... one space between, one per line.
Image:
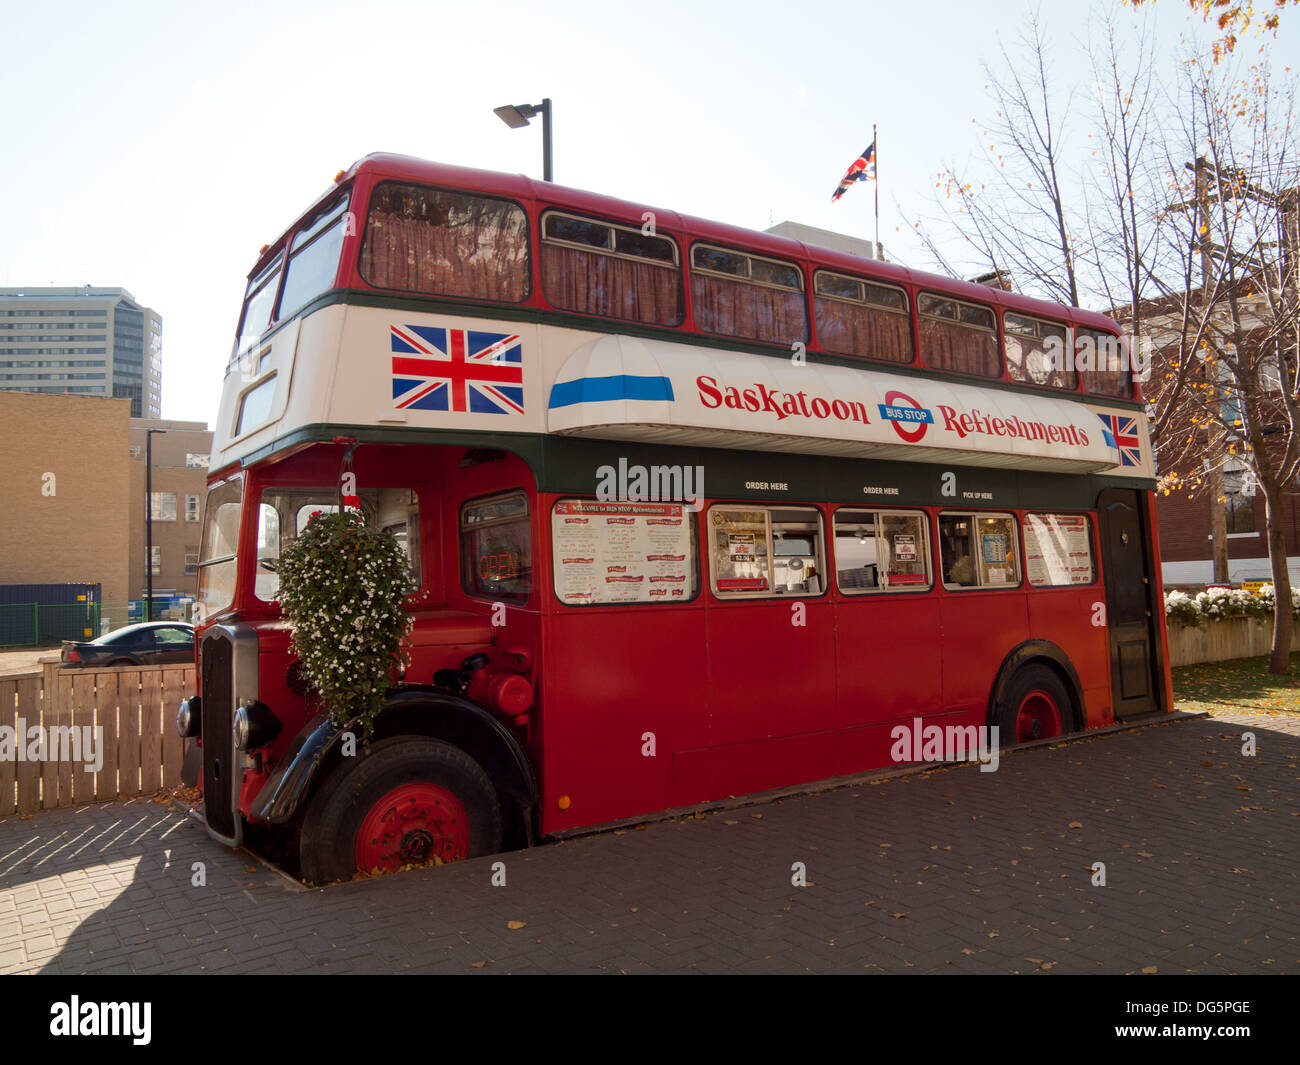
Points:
x=1219 y=604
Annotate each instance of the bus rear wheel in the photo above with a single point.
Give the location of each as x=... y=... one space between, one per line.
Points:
x=408 y=800
x=1035 y=706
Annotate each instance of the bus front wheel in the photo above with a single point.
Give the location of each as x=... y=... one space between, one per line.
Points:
x=1035 y=706
x=408 y=800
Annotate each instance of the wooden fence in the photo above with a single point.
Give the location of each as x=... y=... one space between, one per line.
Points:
x=133 y=747
x=1218 y=641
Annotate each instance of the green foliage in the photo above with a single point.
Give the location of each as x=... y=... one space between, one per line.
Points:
x=341 y=588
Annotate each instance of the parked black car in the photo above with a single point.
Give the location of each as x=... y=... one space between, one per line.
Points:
x=153 y=643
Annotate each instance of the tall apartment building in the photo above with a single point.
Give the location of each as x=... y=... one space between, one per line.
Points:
x=82 y=341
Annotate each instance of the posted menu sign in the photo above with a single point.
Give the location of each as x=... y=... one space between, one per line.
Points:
x=1058 y=549
x=621 y=552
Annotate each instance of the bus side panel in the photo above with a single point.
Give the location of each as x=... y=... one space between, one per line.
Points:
x=1065 y=617
x=770 y=676
x=745 y=768
x=614 y=674
x=979 y=630
x=889 y=668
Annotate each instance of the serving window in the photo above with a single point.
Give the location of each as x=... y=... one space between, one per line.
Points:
x=958 y=336
x=1058 y=550
x=735 y=294
x=444 y=243
x=858 y=317
x=881 y=551
x=623 y=552
x=1037 y=351
x=978 y=550
x=614 y=271
x=759 y=552
x=496 y=560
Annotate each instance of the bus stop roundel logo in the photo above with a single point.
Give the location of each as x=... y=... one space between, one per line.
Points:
x=903 y=410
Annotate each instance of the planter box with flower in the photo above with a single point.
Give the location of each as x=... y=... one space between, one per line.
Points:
x=1222 y=623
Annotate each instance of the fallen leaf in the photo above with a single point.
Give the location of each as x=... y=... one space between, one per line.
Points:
x=1148 y=969
x=515 y=924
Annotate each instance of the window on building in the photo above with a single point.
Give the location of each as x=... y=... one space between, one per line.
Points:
x=162 y=506
x=155 y=561
x=958 y=336
x=1038 y=351
x=136 y=451
x=1240 y=511
x=765 y=551
x=191 y=508
x=881 y=551
x=857 y=317
x=741 y=295
x=623 y=552
x=191 y=563
x=978 y=550
x=446 y=243
x=610 y=270
x=496 y=548
x=196 y=461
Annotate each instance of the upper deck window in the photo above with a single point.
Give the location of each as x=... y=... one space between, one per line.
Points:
x=314 y=257
x=445 y=243
x=1038 y=351
x=610 y=270
x=856 y=317
x=258 y=301
x=741 y=295
x=958 y=336
x=1103 y=360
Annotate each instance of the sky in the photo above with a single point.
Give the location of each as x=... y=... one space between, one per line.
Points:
x=158 y=145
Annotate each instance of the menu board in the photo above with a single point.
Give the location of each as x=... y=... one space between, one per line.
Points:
x=1058 y=549
x=622 y=552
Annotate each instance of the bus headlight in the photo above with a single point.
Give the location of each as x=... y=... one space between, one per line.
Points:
x=189 y=718
x=255 y=726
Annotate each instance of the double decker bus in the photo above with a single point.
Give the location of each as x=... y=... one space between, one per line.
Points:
x=694 y=512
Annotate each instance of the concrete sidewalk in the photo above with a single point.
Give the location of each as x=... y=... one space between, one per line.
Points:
x=948 y=871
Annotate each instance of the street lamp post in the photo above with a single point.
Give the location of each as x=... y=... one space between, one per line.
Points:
x=148 y=521
x=516 y=116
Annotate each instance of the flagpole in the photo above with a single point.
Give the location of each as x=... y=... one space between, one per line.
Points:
x=876 y=143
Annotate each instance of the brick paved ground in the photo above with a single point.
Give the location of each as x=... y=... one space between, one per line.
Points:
x=947 y=871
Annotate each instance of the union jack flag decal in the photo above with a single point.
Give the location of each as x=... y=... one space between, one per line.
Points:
x=459 y=370
x=1121 y=433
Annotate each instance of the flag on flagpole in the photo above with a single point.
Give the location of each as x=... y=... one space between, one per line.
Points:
x=863 y=168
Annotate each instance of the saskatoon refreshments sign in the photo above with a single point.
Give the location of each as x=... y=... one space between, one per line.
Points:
x=618 y=387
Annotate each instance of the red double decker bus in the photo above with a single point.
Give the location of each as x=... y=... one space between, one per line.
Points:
x=694 y=512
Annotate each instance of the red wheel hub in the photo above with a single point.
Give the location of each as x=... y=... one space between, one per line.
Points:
x=412 y=824
x=1038 y=718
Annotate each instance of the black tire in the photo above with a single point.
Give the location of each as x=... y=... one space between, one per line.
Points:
x=328 y=842
x=1044 y=683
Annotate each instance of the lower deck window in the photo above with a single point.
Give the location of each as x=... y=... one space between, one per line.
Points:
x=1058 y=550
x=978 y=550
x=880 y=550
x=623 y=552
x=766 y=551
x=496 y=548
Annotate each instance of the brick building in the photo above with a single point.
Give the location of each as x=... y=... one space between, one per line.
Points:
x=65 y=479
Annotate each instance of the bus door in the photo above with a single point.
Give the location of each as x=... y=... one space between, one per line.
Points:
x=1127 y=563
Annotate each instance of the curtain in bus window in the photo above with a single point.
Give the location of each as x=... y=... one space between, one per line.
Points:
x=427 y=240
x=737 y=308
x=955 y=347
x=852 y=329
x=1028 y=358
x=591 y=283
x=1104 y=353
